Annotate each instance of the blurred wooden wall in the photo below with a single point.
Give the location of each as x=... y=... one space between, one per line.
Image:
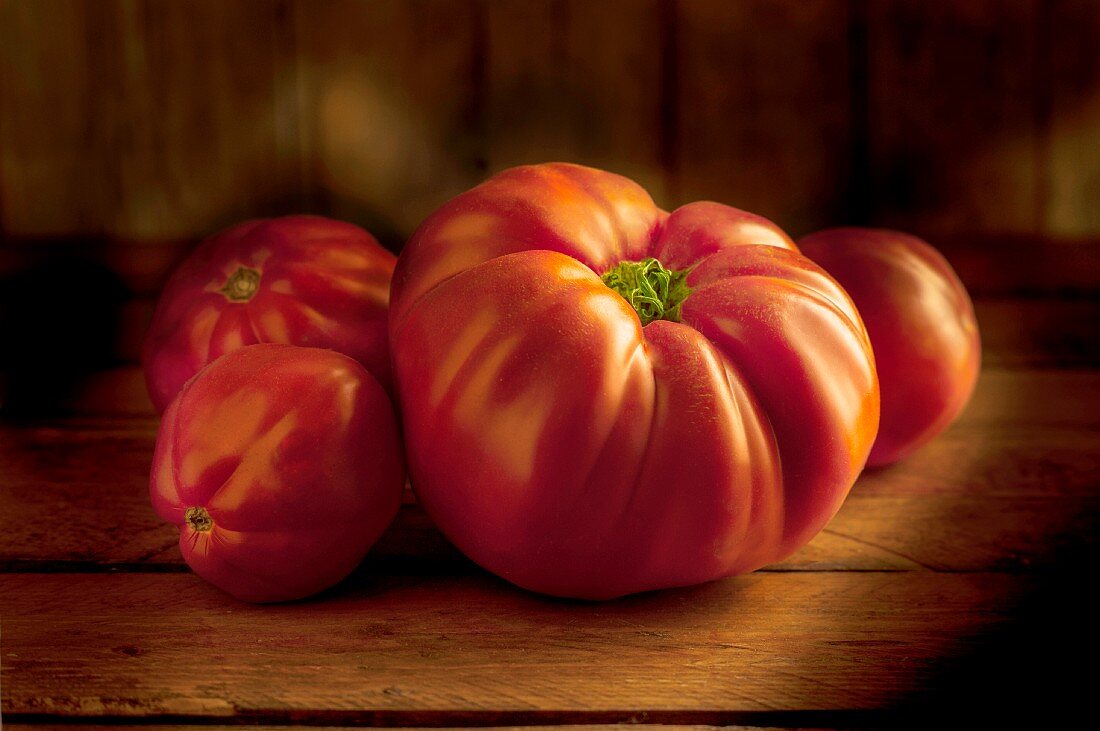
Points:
x=131 y=128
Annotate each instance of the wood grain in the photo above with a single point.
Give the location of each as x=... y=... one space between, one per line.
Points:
x=1013 y=484
x=577 y=81
x=147 y=121
x=763 y=108
x=47 y=156
x=143 y=120
x=1072 y=150
x=573 y=727
x=387 y=92
x=1039 y=333
x=952 y=124
x=137 y=644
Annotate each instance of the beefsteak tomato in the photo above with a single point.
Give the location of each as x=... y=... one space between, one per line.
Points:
x=303 y=280
x=601 y=398
x=922 y=327
x=281 y=465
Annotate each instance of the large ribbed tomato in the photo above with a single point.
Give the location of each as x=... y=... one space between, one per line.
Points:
x=922 y=327
x=281 y=466
x=303 y=280
x=580 y=444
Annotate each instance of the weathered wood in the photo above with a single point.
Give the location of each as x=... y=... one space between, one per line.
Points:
x=763 y=108
x=998 y=265
x=412 y=648
x=1072 y=144
x=952 y=123
x=1005 y=400
x=1007 y=487
x=144 y=120
x=640 y=725
x=876 y=530
x=388 y=98
x=1034 y=333
x=578 y=81
x=48 y=164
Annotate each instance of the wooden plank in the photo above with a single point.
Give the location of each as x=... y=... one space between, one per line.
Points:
x=764 y=108
x=49 y=170
x=950 y=533
x=388 y=96
x=1072 y=152
x=919 y=525
x=143 y=120
x=1000 y=265
x=192 y=112
x=394 y=649
x=1006 y=401
x=577 y=81
x=640 y=725
x=1006 y=488
x=1039 y=333
x=952 y=118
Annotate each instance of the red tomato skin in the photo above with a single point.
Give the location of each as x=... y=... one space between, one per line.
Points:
x=295 y=455
x=922 y=327
x=322 y=283
x=566 y=448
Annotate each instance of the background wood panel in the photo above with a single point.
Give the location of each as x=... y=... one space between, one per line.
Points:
x=47 y=152
x=388 y=95
x=579 y=81
x=763 y=108
x=1072 y=112
x=150 y=122
x=951 y=115
x=141 y=120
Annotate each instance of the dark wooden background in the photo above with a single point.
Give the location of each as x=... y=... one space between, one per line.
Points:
x=129 y=129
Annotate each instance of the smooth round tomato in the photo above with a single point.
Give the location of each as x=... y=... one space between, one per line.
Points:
x=601 y=398
x=302 y=280
x=922 y=327
x=281 y=465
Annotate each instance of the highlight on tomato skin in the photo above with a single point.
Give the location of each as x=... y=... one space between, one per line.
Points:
x=922 y=327
x=601 y=398
x=302 y=280
x=281 y=466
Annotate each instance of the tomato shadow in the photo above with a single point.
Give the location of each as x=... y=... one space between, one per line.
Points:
x=59 y=322
x=1033 y=669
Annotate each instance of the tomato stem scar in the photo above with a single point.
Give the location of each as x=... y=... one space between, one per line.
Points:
x=241 y=285
x=198 y=519
x=655 y=293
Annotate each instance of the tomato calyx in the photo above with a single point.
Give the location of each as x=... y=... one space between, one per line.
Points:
x=655 y=293
x=241 y=285
x=199 y=520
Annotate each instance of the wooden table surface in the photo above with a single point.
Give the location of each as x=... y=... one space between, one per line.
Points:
x=953 y=583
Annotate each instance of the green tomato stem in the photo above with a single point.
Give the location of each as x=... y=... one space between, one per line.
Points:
x=655 y=293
